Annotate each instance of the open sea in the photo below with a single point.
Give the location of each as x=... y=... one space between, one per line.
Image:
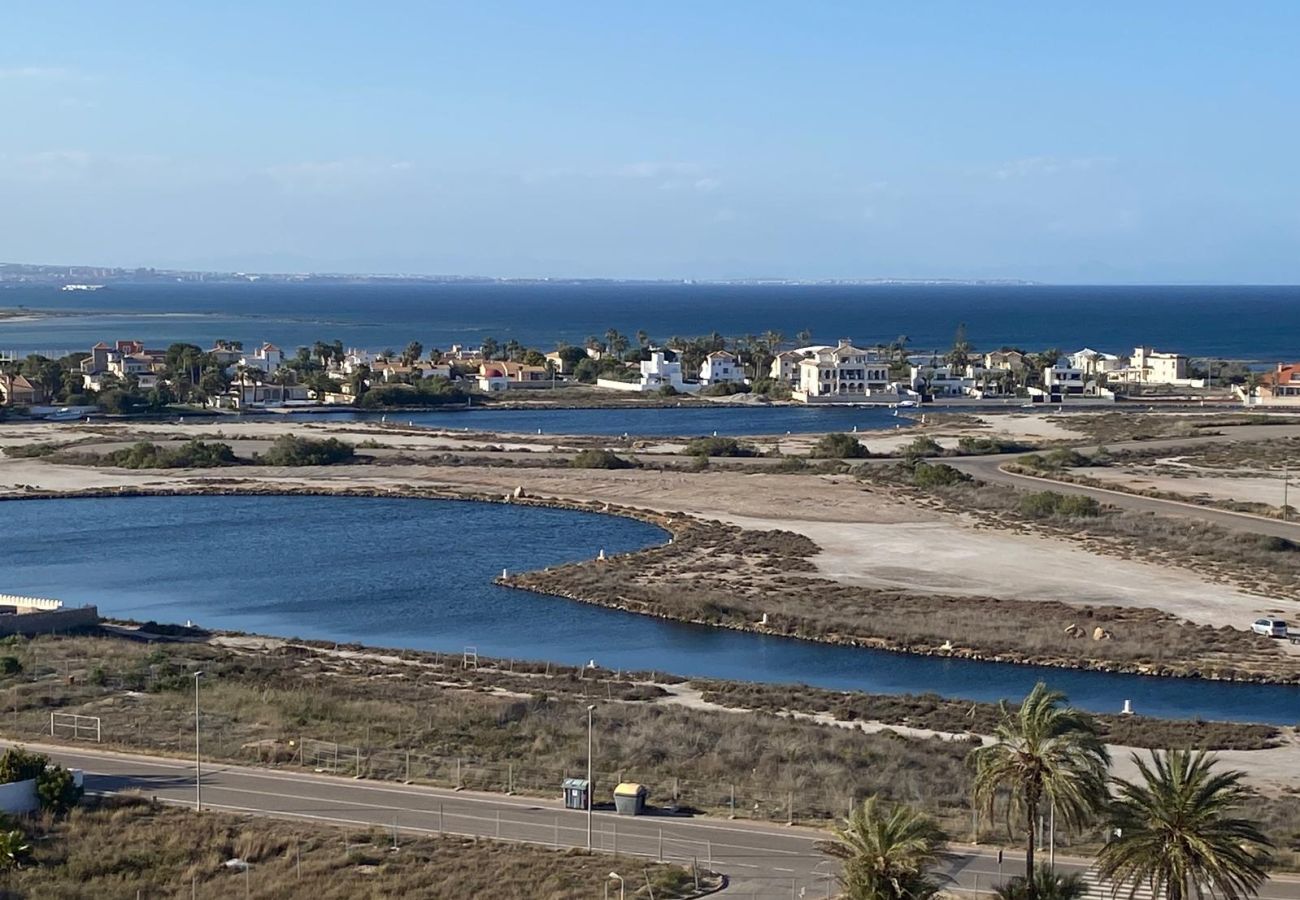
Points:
x=1259 y=324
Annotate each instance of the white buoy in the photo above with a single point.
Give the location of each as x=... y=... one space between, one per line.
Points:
x=601 y=555
x=855 y=429
x=763 y=621
x=1128 y=708
x=591 y=664
x=505 y=573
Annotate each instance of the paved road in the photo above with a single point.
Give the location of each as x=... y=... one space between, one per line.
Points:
x=761 y=860
x=988 y=468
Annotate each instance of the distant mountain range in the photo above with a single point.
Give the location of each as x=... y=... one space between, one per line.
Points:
x=57 y=276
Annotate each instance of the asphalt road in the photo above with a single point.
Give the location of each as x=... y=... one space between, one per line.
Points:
x=761 y=860
x=989 y=468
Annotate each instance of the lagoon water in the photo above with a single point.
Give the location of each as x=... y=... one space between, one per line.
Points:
x=417 y=574
x=692 y=421
x=1254 y=323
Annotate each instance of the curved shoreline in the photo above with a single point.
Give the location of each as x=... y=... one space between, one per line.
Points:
x=675 y=526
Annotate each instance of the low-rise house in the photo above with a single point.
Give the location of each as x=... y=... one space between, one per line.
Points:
x=557 y=361
x=1094 y=363
x=661 y=370
x=266 y=358
x=721 y=367
x=1281 y=387
x=249 y=394
x=127 y=359
x=398 y=373
x=1005 y=360
x=1064 y=379
x=18 y=390
x=943 y=380
x=843 y=372
x=785 y=366
x=492 y=376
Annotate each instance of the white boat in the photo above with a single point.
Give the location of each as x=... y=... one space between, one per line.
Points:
x=906 y=404
x=64 y=414
x=82 y=287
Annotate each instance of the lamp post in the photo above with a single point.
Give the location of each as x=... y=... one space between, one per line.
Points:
x=591 y=785
x=621 y=884
x=198 y=765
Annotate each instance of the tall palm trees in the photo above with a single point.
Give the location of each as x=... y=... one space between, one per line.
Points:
x=1045 y=755
x=1177 y=834
x=887 y=853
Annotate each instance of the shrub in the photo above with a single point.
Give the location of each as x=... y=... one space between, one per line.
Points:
x=18 y=764
x=932 y=475
x=425 y=392
x=295 y=451
x=668 y=390
x=30 y=451
x=193 y=454
x=600 y=459
x=719 y=446
x=9 y=665
x=724 y=389
x=57 y=790
x=839 y=446
x=1055 y=460
x=923 y=445
x=1046 y=504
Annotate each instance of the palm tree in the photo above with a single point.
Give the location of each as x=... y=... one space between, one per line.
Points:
x=1048 y=885
x=1043 y=752
x=1176 y=833
x=887 y=853
x=13 y=849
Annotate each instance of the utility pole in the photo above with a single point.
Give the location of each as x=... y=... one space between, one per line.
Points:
x=198 y=760
x=1286 y=483
x=591 y=785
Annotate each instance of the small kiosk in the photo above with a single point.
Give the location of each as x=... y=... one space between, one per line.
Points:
x=577 y=792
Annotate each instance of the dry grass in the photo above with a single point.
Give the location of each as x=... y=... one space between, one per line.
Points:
x=936 y=713
x=518 y=730
x=118 y=847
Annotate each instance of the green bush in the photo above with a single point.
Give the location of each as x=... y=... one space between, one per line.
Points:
x=9 y=665
x=668 y=390
x=193 y=454
x=600 y=459
x=1055 y=460
x=724 y=389
x=57 y=790
x=923 y=445
x=1047 y=504
x=425 y=392
x=719 y=446
x=932 y=475
x=290 y=450
x=975 y=446
x=17 y=764
x=839 y=446
x=30 y=451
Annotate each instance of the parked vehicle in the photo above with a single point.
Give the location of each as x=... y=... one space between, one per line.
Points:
x=1269 y=627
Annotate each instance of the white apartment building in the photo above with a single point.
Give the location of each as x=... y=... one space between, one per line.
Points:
x=266 y=358
x=721 y=367
x=841 y=372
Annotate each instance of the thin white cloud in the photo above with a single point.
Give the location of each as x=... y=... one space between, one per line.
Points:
x=660 y=170
x=39 y=73
x=1030 y=166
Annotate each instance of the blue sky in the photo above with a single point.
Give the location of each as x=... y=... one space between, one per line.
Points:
x=1099 y=142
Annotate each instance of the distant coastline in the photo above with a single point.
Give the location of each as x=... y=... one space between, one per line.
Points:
x=29 y=275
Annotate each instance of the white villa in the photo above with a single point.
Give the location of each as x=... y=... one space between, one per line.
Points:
x=1148 y=366
x=266 y=358
x=1094 y=362
x=843 y=373
x=721 y=367
x=656 y=372
x=943 y=380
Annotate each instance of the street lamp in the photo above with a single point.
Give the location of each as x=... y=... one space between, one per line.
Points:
x=621 y=884
x=198 y=765
x=591 y=785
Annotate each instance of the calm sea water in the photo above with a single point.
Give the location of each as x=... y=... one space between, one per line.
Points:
x=324 y=567
x=1251 y=323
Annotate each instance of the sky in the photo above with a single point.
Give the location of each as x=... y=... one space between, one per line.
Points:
x=1092 y=142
